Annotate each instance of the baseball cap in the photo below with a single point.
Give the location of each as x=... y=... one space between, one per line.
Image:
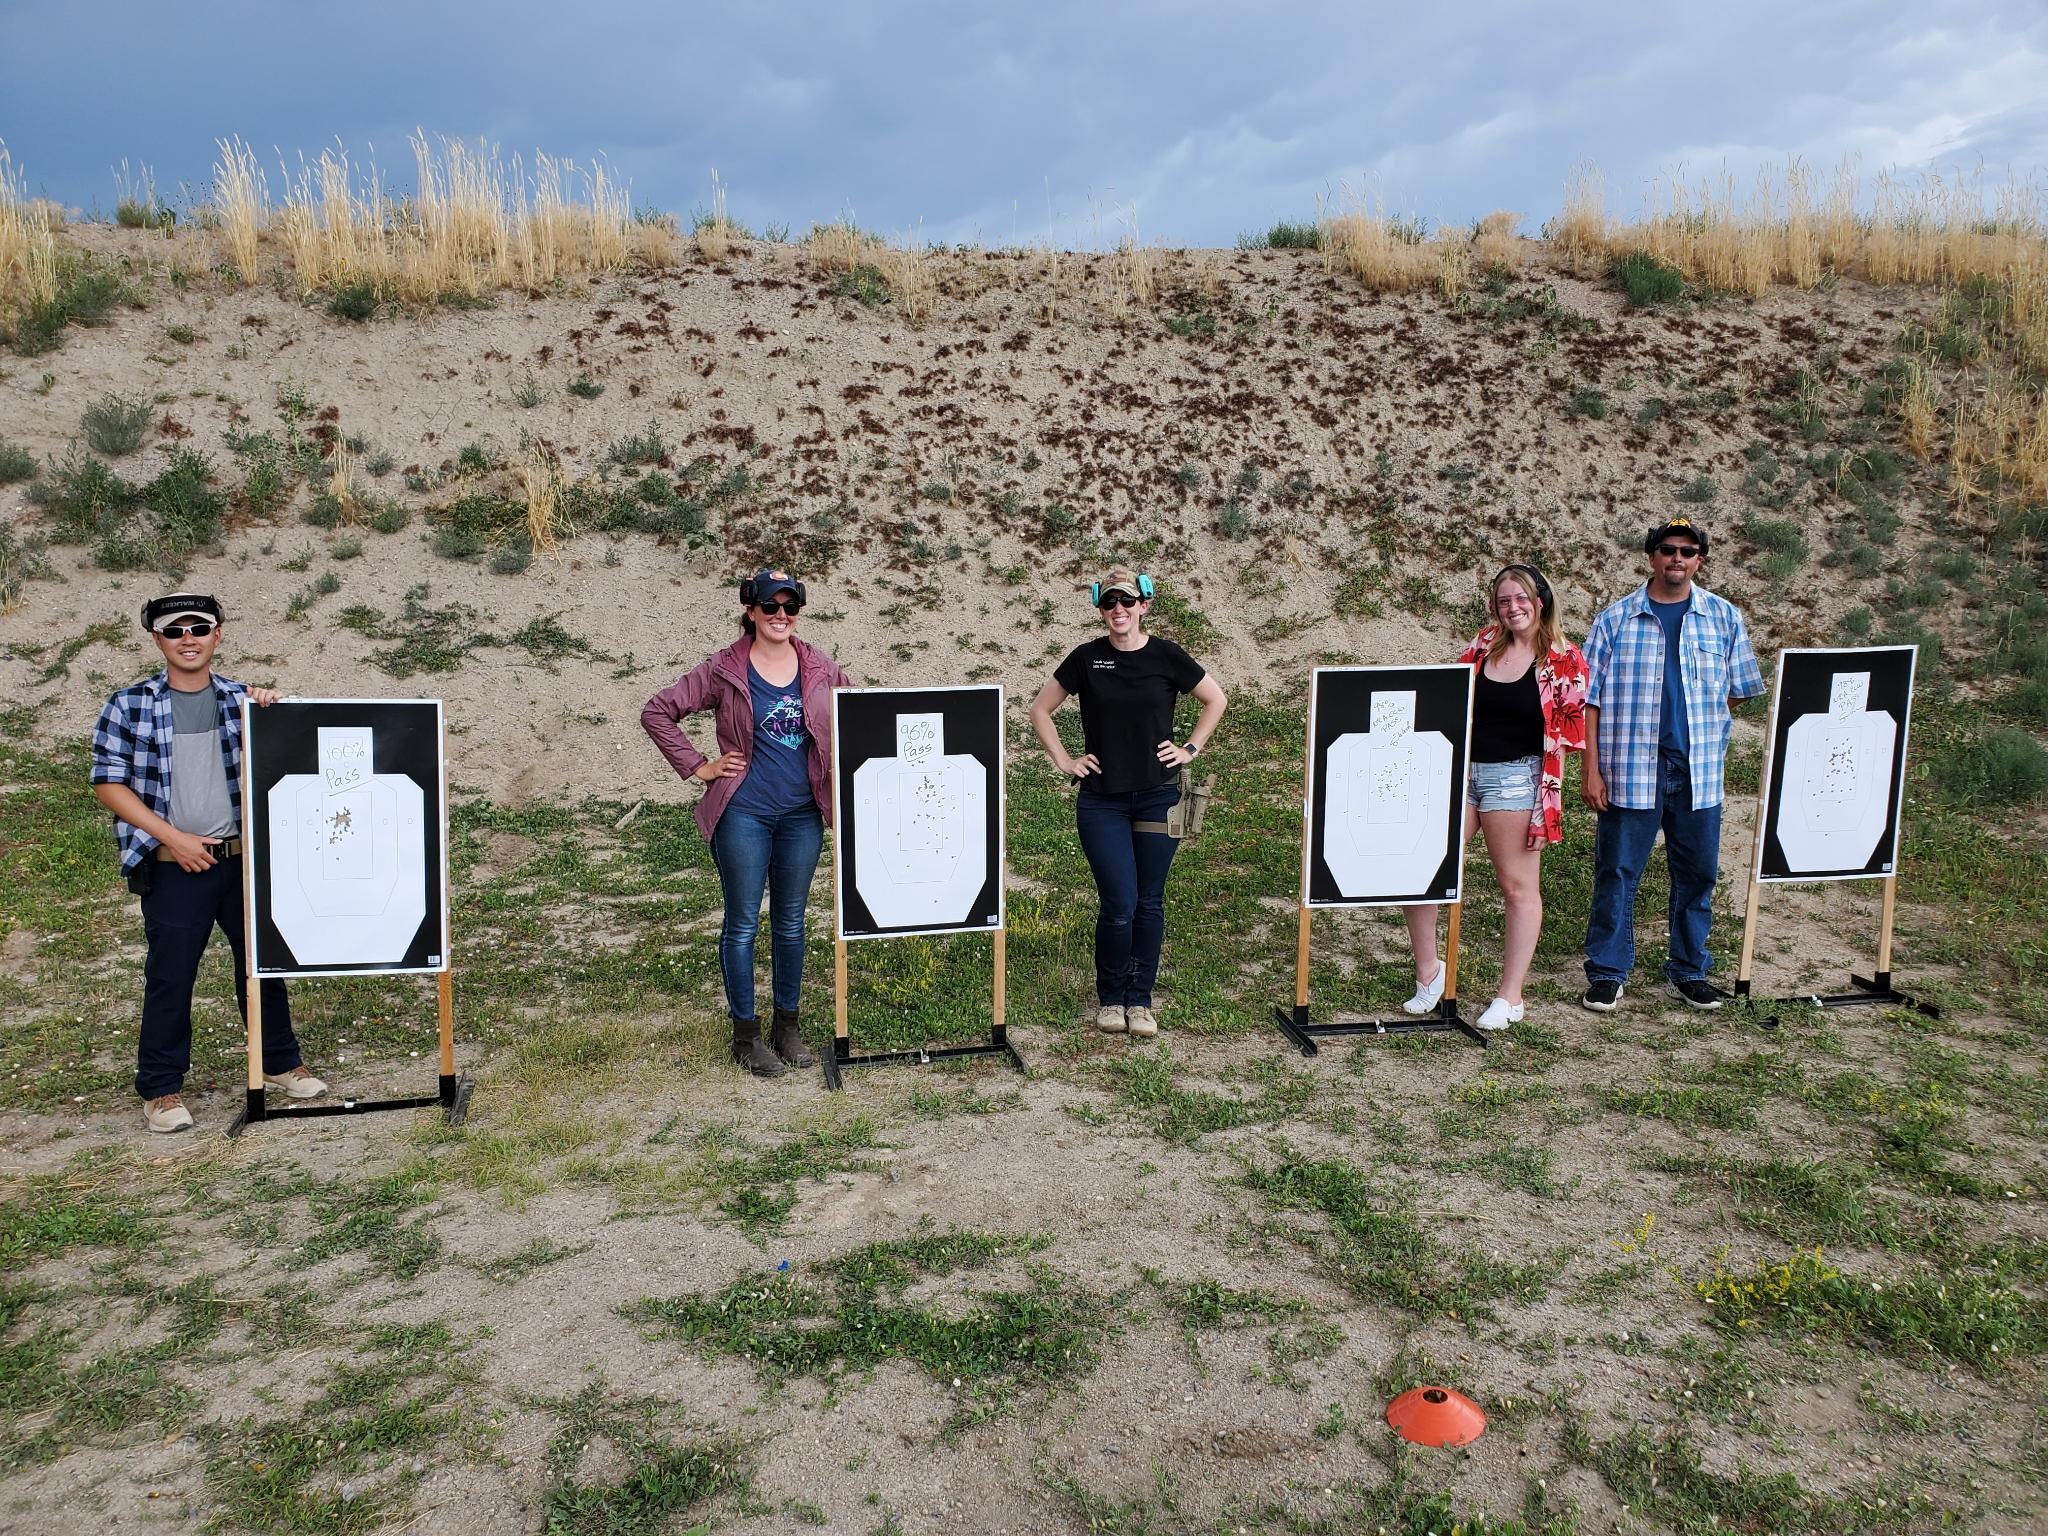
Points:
x=173 y=606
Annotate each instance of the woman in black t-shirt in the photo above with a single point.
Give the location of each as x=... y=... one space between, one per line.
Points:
x=1128 y=683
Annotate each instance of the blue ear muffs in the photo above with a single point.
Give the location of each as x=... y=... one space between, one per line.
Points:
x=1145 y=590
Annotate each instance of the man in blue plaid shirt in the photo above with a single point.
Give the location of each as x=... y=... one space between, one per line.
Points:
x=1663 y=665
x=167 y=761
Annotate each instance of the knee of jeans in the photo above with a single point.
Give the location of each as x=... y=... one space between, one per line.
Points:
x=1118 y=914
x=741 y=927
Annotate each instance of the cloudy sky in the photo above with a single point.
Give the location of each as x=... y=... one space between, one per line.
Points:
x=1002 y=123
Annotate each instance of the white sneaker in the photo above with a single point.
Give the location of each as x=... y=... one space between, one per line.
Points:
x=1110 y=1020
x=1427 y=996
x=1500 y=1013
x=298 y=1083
x=1141 y=1022
x=166 y=1113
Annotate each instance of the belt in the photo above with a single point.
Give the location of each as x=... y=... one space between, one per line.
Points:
x=226 y=848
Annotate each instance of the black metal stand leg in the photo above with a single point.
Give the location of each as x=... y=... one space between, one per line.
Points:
x=1295 y=1026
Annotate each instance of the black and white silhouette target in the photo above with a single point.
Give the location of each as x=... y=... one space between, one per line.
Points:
x=917 y=798
x=344 y=838
x=1386 y=785
x=1837 y=764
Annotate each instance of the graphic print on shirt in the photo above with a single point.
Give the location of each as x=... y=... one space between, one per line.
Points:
x=785 y=722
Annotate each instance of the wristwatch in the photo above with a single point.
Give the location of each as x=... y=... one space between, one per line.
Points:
x=1192 y=750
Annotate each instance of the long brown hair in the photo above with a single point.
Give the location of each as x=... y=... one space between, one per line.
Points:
x=1530 y=580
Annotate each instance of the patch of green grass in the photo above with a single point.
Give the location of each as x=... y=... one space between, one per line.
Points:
x=354 y=302
x=49 y=1214
x=1378 y=1246
x=2004 y=766
x=81 y=497
x=754 y=1187
x=1146 y=1083
x=1284 y=236
x=115 y=425
x=344 y=1462
x=1183 y=623
x=666 y=1478
x=423 y=639
x=1667 y=1479
x=584 y=387
x=1588 y=402
x=864 y=284
x=86 y=294
x=1724 y=1107
x=989 y=1349
x=16 y=464
x=1644 y=280
x=1958 y=1315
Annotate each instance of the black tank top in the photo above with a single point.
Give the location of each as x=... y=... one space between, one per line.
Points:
x=1507 y=719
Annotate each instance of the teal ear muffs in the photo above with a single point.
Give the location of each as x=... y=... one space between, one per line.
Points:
x=751 y=591
x=1145 y=590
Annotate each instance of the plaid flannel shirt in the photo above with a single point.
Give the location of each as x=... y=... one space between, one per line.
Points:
x=132 y=745
x=1625 y=657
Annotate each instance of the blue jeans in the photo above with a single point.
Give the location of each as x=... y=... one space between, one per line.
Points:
x=1130 y=878
x=778 y=854
x=1621 y=848
x=178 y=917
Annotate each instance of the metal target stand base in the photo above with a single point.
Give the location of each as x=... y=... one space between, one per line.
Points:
x=841 y=1057
x=1294 y=1024
x=837 y=1058
x=1871 y=992
x=453 y=1096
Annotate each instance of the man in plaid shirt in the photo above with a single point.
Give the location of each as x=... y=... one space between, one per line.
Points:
x=167 y=761
x=1662 y=664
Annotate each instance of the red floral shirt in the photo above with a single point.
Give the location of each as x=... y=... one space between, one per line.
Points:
x=1561 y=685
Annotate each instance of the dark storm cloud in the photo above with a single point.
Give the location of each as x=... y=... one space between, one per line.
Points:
x=998 y=124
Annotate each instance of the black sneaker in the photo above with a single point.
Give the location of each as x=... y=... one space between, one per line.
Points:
x=1601 y=996
x=1699 y=992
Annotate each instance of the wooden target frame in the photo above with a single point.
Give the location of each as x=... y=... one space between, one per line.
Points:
x=453 y=1092
x=1877 y=989
x=1297 y=1023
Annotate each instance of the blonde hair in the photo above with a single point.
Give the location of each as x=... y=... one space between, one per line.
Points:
x=1548 y=636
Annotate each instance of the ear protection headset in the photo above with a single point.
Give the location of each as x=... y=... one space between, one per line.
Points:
x=1145 y=589
x=1544 y=600
x=753 y=590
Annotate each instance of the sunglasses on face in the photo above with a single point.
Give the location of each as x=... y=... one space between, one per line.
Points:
x=788 y=606
x=198 y=630
x=1682 y=551
x=1117 y=600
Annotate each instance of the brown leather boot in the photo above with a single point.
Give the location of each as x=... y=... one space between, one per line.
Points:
x=789 y=1042
x=751 y=1051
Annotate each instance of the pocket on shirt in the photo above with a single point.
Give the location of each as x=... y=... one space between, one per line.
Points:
x=1710 y=665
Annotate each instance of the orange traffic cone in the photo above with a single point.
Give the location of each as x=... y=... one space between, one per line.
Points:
x=1436 y=1416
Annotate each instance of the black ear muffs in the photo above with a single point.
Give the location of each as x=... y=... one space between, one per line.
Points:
x=1544 y=600
x=751 y=592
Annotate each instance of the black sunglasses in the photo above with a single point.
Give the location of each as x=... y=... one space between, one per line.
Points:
x=787 y=605
x=198 y=631
x=1117 y=600
x=1685 y=550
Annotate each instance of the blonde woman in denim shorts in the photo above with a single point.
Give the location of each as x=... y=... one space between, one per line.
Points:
x=1528 y=711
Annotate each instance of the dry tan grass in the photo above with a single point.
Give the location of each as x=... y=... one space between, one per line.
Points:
x=1948 y=229
x=1378 y=250
x=839 y=246
x=241 y=201
x=475 y=222
x=540 y=475
x=909 y=271
x=715 y=234
x=341 y=483
x=1919 y=410
x=1497 y=242
x=28 y=244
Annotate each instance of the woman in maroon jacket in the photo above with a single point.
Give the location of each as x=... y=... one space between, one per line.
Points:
x=767 y=798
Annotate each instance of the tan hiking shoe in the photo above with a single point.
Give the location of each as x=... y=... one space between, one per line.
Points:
x=1110 y=1020
x=1141 y=1022
x=298 y=1082
x=166 y=1113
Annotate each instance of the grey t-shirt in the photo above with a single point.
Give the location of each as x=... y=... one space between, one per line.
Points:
x=199 y=778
